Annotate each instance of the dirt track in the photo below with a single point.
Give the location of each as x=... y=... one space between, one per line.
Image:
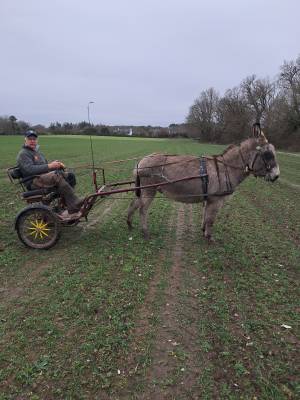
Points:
x=173 y=358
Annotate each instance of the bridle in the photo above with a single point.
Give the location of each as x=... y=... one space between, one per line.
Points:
x=265 y=160
x=246 y=167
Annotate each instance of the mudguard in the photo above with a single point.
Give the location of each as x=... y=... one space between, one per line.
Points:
x=36 y=207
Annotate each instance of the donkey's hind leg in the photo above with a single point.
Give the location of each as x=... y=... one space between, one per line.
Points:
x=134 y=205
x=146 y=199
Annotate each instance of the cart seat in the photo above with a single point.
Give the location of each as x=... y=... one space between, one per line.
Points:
x=14 y=173
x=30 y=195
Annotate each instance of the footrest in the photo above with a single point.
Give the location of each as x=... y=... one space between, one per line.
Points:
x=36 y=192
x=102 y=189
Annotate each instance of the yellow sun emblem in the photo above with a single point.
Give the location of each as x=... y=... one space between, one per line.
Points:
x=39 y=229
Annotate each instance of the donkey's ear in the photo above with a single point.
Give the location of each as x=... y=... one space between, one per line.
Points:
x=258 y=133
x=256 y=129
x=262 y=139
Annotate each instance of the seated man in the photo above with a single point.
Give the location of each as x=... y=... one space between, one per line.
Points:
x=33 y=164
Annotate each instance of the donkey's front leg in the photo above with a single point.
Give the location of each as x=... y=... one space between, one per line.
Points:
x=210 y=212
x=203 y=216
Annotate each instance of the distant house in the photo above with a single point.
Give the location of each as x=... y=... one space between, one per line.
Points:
x=122 y=130
x=40 y=129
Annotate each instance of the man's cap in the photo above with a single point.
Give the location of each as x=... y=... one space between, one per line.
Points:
x=31 y=132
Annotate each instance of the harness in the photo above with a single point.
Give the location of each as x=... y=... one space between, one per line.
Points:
x=203 y=174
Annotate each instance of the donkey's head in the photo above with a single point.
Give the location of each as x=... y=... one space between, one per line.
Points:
x=263 y=161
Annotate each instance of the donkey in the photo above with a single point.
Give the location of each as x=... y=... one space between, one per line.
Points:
x=210 y=180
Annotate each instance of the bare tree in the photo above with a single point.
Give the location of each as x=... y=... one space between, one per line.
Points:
x=259 y=94
x=233 y=116
x=203 y=113
x=13 y=121
x=23 y=126
x=289 y=81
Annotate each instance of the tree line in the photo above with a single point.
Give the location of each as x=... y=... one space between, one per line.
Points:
x=11 y=126
x=213 y=118
x=274 y=103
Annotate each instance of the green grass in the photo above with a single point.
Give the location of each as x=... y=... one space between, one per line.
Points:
x=249 y=294
x=69 y=316
x=291 y=167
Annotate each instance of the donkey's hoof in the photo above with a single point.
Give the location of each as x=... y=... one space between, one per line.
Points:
x=129 y=225
x=209 y=239
x=146 y=235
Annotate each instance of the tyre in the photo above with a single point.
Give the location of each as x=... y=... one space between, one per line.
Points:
x=38 y=227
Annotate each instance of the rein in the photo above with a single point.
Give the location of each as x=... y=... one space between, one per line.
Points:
x=245 y=167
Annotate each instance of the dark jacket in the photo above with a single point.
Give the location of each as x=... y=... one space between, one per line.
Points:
x=31 y=162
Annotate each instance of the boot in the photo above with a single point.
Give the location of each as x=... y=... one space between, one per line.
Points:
x=72 y=201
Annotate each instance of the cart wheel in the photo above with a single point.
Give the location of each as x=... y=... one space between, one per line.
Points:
x=38 y=227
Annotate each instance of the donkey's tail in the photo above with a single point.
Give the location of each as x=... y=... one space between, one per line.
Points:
x=137 y=181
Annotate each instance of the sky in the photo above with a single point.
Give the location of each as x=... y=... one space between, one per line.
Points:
x=142 y=62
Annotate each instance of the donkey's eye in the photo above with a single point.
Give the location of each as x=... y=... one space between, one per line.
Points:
x=268 y=155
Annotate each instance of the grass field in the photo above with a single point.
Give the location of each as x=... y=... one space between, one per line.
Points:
x=106 y=315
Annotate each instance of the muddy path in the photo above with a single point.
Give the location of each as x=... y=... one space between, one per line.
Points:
x=164 y=360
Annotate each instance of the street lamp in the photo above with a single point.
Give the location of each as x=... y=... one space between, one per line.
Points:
x=88 y=108
x=92 y=152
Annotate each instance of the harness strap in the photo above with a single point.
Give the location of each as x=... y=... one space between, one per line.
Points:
x=204 y=176
x=137 y=181
x=246 y=166
x=227 y=177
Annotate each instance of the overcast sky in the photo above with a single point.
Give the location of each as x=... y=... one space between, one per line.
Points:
x=143 y=62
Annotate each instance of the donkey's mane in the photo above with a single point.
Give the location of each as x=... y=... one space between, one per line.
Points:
x=230 y=147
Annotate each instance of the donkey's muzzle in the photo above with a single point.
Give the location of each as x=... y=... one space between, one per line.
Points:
x=271 y=178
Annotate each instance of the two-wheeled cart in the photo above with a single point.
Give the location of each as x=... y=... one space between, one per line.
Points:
x=39 y=224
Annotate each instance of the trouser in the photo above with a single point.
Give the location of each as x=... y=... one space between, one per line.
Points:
x=57 y=180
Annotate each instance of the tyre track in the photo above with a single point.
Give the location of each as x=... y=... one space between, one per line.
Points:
x=174 y=370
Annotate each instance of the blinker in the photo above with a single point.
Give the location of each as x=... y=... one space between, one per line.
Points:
x=268 y=155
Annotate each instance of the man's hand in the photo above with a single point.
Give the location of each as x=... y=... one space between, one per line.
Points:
x=56 y=165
